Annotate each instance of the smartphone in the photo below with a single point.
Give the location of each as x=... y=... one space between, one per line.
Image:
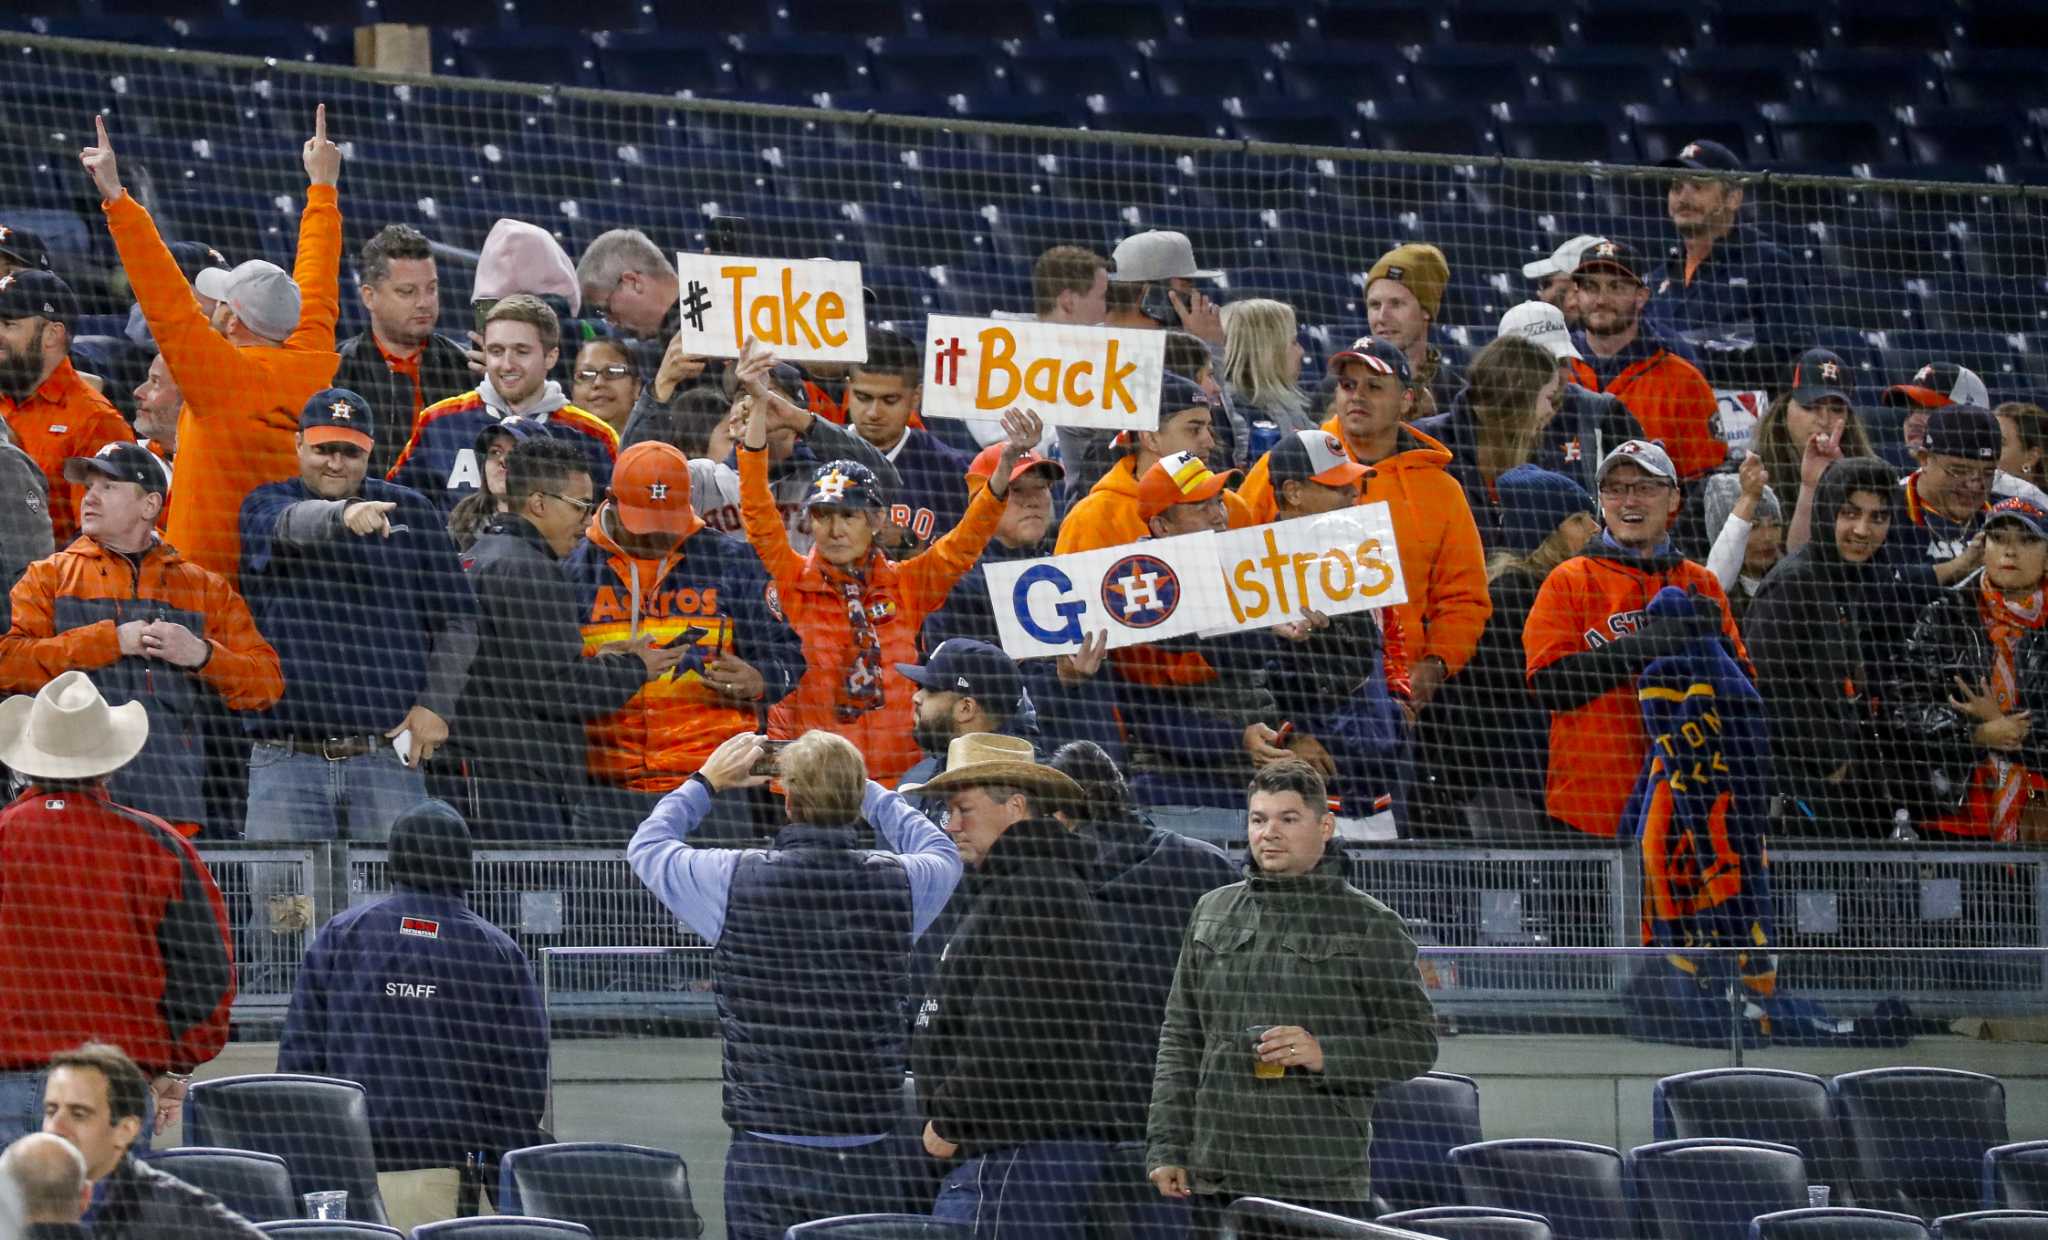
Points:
x=727 y=235
x=771 y=753
x=1157 y=305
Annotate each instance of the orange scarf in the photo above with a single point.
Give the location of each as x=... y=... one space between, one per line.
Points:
x=2004 y=622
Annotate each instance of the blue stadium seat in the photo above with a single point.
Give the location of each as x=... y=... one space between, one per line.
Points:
x=1256 y=1217
x=1829 y=137
x=583 y=14
x=799 y=66
x=1710 y=1188
x=1073 y=71
x=318 y=1126
x=1756 y=1104
x=976 y=293
x=941 y=66
x=170 y=10
x=878 y=1227
x=1662 y=132
x=1577 y=1186
x=981 y=19
x=1185 y=118
x=1769 y=25
x=1980 y=136
x=329 y=1229
x=1837 y=1223
x=552 y=57
x=1641 y=23
x=912 y=239
x=1916 y=1137
x=256 y=1186
x=1520 y=24
x=1432 y=128
x=1319 y=74
x=1989 y=303
x=1295 y=121
x=1993 y=1225
x=1564 y=133
x=501 y=1227
x=1127 y=20
x=1470 y=1223
x=1603 y=75
x=665 y=64
x=2016 y=1176
x=1414 y=1125
x=283 y=40
x=1848 y=78
x=1718 y=78
x=844 y=19
x=1212 y=70
x=620 y=1192
x=1898 y=25
x=1258 y=21
x=1990 y=75
x=1463 y=75
x=1383 y=23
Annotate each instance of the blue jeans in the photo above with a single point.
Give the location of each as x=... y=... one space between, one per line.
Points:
x=1036 y=1191
x=771 y=1186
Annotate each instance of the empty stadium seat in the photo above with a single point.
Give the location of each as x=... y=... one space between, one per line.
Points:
x=1123 y=20
x=979 y=19
x=1073 y=71
x=879 y=1227
x=256 y=1186
x=552 y=57
x=844 y=19
x=1602 y=75
x=1470 y=1223
x=1718 y=77
x=1837 y=1223
x=1993 y=1225
x=1212 y=70
x=941 y=66
x=1915 y=1137
x=581 y=14
x=1319 y=74
x=320 y=1127
x=1874 y=81
x=1977 y=136
x=1754 y=1104
x=1641 y=23
x=620 y=1192
x=1833 y=137
x=2016 y=1176
x=1383 y=23
x=1294 y=121
x=1901 y=25
x=1575 y=1185
x=1710 y=1189
x=664 y=64
x=1256 y=1218
x=799 y=66
x=1768 y=24
x=501 y=1227
x=1414 y=1125
x=330 y=1229
x=1464 y=76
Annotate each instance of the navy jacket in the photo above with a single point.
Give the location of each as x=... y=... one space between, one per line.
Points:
x=434 y=1011
x=933 y=496
x=1743 y=318
x=354 y=620
x=1587 y=426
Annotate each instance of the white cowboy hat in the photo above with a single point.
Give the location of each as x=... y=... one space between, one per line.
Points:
x=992 y=758
x=68 y=731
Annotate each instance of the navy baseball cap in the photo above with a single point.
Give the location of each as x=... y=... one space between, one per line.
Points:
x=124 y=461
x=337 y=415
x=970 y=668
x=24 y=248
x=514 y=428
x=1378 y=355
x=844 y=484
x=196 y=256
x=1609 y=255
x=2021 y=511
x=35 y=294
x=1819 y=374
x=1534 y=502
x=1967 y=431
x=1705 y=155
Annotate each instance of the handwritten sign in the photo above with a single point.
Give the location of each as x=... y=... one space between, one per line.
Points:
x=809 y=310
x=1202 y=583
x=1072 y=376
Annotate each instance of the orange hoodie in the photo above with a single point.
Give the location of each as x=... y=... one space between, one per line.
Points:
x=1441 y=559
x=1674 y=403
x=1108 y=515
x=241 y=404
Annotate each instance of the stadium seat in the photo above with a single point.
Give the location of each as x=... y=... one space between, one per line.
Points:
x=1915 y=1137
x=940 y=66
x=1716 y=78
x=1641 y=23
x=1662 y=132
x=1874 y=81
x=1898 y=25
x=329 y=1229
x=1320 y=74
x=1993 y=1225
x=799 y=66
x=1070 y=71
x=1414 y=1124
x=255 y=1186
x=1978 y=136
x=1210 y=22
x=1123 y=20
x=843 y=19
x=1829 y=136
x=980 y=19
x=1576 y=1185
x=878 y=1227
x=664 y=64
x=1461 y=75
x=1185 y=118
x=1768 y=24
x=1256 y=1218
x=620 y=1192
x=1837 y=1223
x=1211 y=71
x=1294 y=121
x=1382 y=23
x=1990 y=75
x=1709 y=1189
x=1754 y=1104
x=582 y=14
x=1603 y=75
x=550 y=57
x=501 y=1227
x=1470 y=1223
x=2016 y=1176
x=319 y=1126
x=1550 y=131
x=1436 y=128
x=1521 y=24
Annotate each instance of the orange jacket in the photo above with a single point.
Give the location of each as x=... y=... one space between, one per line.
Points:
x=1674 y=403
x=1108 y=515
x=899 y=596
x=1597 y=750
x=1441 y=559
x=241 y=404
x=64 y=417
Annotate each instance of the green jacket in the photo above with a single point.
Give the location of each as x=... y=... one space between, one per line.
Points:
x=1312 y=951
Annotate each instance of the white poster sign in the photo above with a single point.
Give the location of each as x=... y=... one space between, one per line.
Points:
x=1338 y=562
x=804 y=310
x=1105 y=377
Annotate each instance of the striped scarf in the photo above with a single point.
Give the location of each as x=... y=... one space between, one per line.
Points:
x=860 y=688
x=2004 y=622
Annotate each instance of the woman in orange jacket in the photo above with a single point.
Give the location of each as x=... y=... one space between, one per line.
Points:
x=857 y=611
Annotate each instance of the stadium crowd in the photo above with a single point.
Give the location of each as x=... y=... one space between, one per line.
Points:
x=333 y=589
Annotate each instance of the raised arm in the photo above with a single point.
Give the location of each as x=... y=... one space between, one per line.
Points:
x=318 y=267
x=929 y=575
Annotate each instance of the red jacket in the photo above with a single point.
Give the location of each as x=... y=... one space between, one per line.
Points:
x=111 y=930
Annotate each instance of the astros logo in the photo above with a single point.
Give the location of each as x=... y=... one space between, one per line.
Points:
x=1140 y=591
x=341 y=410
x=833 y=485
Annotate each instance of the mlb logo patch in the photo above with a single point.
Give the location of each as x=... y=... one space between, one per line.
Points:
x=420 y=928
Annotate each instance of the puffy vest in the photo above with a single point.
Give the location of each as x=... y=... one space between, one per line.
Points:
x=813 y=975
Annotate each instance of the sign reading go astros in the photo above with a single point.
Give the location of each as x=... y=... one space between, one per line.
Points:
x=1072 y=376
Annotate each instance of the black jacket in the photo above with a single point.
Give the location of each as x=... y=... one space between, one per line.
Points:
x=444 y=372
x=141 y=1203
x=1010 y=1044
x=1587 y=426
x=530 y=688
x=1485 y=719
x=1950 y=641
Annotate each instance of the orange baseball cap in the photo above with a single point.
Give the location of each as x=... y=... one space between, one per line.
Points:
x=983 y=468
x=1182 y=478
x=651 y=490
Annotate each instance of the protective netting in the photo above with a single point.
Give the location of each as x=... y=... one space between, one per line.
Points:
x=1788 y=825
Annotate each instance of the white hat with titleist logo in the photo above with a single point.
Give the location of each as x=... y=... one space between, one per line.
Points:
x=1540 y=323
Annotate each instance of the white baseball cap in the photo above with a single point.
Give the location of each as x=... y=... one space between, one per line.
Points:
x=262 y=295
x=1541 y=323
x=1157 y=255
x=1564 y=261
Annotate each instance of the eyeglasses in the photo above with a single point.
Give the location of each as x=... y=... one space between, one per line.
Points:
x=582 y=506
x=617 y=370
x=604 y=309
x=1963 y=471
x=1633 y=490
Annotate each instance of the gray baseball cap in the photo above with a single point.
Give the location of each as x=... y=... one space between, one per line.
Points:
x=262 y=295
x=1644 y=455
x=1145 y=257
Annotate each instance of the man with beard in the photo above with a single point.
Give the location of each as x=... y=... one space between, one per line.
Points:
x=1624 y=356
x=54 y=415
x=400 y=364
x=158 y=403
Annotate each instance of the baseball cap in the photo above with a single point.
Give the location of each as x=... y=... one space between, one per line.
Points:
x=1705 y=155
x=123 y=461
x=337 y=415
x=1819 y=374
x=844 y=484
x=24 y=247
x=1540 y=323
x=1609 y=255
x=1564 y=260
x=1533 y=502
x=1641 y=453
x=1176 y=394
x=1422 y=268
x=1378 y=355
x=1937 y=384
x=1156 y=255
x=262 y=295
x=2020 y=511
x=651 y=490
x=197 y=256
x=1313 y=456
x=973 y=668
x=515 y=428
x=983 y=466
x=1968 y=431
x=1182 y=478
x=32 y=293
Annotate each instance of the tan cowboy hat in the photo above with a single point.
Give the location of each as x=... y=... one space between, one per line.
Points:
x=992 y=758
x=69 y=732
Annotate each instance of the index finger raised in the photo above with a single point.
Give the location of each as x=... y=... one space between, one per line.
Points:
x=320 y=122
x=99 y=124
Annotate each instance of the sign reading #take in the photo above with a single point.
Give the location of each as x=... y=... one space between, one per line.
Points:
x=806 y=310
x=1071 y=376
